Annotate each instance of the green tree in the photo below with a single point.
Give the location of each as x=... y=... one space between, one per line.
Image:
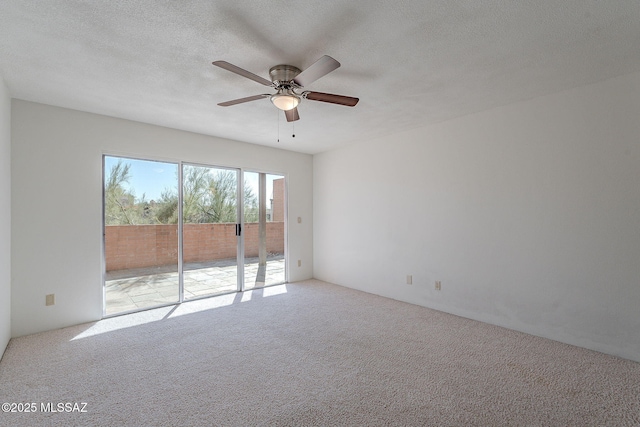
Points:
x=208 y=197
x=250 y=205
x=121 y=205
x=167 y=210
x=119 y=202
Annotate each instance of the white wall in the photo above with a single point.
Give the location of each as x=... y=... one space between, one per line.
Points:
x=57 y=199
x=5 y=216
x=528 y=214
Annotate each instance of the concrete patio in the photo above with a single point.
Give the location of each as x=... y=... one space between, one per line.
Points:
x=135 y=289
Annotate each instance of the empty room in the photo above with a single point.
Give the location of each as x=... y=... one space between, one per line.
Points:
x=318 y=213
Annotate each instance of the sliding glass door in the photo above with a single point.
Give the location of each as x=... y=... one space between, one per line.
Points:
x=264 y=211
x=140 y=234
x=209 y=230
x=175 y=232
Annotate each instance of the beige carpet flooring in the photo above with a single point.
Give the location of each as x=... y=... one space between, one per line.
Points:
x=311 y=354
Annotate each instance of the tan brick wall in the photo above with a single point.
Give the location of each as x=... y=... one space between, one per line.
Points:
x=135 y=246
x=206 y=242
x=131 y=246
x=275 y=238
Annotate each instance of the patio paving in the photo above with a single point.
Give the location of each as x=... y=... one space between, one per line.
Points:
x=135 y=289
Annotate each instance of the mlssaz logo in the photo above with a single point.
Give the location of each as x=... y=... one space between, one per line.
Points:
x=63 y=407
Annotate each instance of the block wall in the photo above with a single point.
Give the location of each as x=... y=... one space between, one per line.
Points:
x=137 y=246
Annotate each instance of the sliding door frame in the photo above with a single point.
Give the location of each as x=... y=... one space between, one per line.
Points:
x=239 y=225
x=127 y=156
x=240 y=243
x=286 y=223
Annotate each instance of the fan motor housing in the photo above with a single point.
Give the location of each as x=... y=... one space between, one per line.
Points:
x=283 y=73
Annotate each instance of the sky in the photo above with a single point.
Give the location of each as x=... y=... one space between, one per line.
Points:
x=147 y=177
x=151 y=178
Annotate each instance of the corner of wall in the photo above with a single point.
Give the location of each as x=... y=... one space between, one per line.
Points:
x=5 y=216
x=521 y=212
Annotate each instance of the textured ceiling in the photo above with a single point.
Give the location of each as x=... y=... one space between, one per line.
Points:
x=410 y=62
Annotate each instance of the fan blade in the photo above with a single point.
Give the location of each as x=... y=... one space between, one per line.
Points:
x=242 y=72
x=241 y=100
x=292 y=115
x=334 y=99
x=321 y=67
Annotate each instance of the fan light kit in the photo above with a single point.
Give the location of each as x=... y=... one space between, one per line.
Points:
x=285 y=100
x=287 y=79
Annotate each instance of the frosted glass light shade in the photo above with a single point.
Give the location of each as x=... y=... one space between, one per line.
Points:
x=285 y=101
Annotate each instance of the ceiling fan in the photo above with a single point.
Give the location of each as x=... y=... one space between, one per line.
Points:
x=287 y=80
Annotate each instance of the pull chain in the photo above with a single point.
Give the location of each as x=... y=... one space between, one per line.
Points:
x=278 y=119
x=293 y=125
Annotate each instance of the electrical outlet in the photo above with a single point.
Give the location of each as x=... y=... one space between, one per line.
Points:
x=50 y=299
x=299 y=263
x=409 y=279
x=438 y=285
